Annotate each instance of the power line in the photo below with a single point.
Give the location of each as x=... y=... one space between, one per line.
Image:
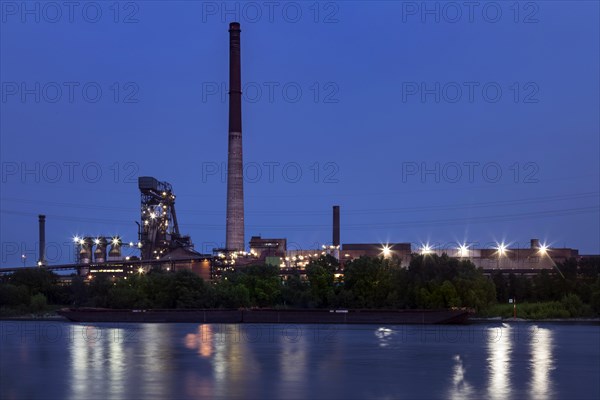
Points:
x=372 y=225
x=439 y=207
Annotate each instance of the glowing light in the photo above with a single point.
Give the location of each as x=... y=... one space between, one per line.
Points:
x=140 y=245
x=140 y=270
x=115 y=241
x=386 y=251
x=131 y=244
x=152 y=215
x=97 y=241
x=426 y=249
x=76 y=239
x=464 y=250
x=501 y=248
x=544 y=249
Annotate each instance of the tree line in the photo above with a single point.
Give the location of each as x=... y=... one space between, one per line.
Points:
x=430 y=281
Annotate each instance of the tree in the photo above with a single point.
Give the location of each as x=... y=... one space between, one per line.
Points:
x=321 y=285
x=38 y=303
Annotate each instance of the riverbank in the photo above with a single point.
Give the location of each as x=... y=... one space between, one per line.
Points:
x=53 y=316
x=595 y=320
x=569 y=308
x=271 y=316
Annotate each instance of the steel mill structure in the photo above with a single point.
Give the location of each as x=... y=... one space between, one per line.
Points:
x=159 y=230
x=161 y=245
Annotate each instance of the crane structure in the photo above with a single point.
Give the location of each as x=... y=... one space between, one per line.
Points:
x=158 y=230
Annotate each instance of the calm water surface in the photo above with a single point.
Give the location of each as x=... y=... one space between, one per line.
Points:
x=57 y=360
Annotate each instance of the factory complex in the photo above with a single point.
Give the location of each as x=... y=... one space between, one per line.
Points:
x=161 y=244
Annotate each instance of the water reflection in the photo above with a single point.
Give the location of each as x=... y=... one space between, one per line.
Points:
x=154 y=361
x=78 y=366
x=541 y=362
x=97 y=362
x=292 y=358
x=116 y=367
x=154 y=356
x=384 y=335
x=460 y=387
x=498 y=362
x=104 y=359
x=202 y=341
x=231 y=363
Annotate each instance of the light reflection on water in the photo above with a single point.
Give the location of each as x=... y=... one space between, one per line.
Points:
x=155 y=361
x=460 y=389
x=499 y=361
x=384 y=335
x=541 y=362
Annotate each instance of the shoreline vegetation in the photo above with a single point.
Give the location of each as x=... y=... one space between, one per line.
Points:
x=429 y=282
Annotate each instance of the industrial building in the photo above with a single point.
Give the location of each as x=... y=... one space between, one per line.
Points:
x=161 y=245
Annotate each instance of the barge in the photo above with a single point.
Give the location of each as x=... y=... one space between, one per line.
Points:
x=257 y=316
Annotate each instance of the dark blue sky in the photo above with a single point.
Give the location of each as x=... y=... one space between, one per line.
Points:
x=360 y=98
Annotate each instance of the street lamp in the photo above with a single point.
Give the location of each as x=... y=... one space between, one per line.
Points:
x=24 y=258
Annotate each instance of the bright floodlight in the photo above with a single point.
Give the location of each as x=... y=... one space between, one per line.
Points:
x=115 y=240
x=544 y=248
x=76 y=239
x=426 y=249
x=386 y=251
x=97 y=241
x=501 y=248
x=464 y=250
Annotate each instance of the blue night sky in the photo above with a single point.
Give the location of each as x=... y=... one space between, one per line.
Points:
x=472 y=128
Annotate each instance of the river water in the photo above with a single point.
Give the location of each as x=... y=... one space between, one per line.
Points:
x=59 y=360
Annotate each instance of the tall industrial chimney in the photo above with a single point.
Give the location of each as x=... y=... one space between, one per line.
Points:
x=336 y=226
x=42 y=226
x=235 y=179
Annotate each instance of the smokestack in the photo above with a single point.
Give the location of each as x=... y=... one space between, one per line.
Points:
x=336 y=225
x=42 y=226
x=235 y=181
x=535 y=243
